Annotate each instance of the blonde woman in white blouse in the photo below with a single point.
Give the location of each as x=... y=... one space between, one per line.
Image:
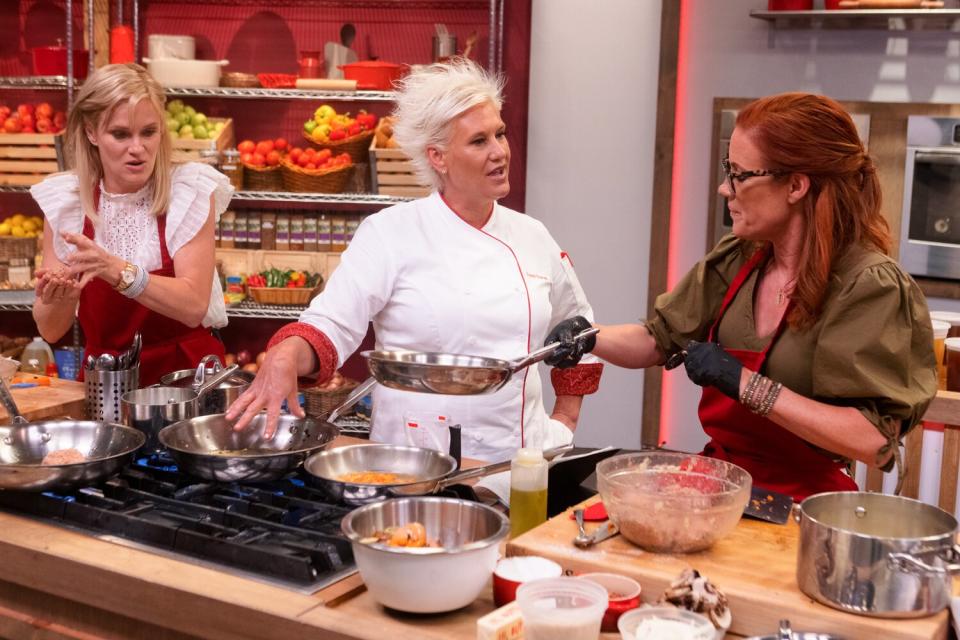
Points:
x=128 y=241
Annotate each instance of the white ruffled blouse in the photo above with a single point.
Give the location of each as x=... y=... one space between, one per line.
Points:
x=127 y=230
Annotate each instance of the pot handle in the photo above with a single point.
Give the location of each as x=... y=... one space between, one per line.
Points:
x=545 y=352
x=485 y=470
x=909 y=563
x=361 y=390
x=214 y=380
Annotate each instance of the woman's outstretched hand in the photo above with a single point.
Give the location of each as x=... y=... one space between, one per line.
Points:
x=90 y=260
x=275 y=382
x=571 y=349
x=57 y=286
x=709 y=365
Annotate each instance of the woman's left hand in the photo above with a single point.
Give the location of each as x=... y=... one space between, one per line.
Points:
x=276 y=381
x=91 y=261
x=708 y=364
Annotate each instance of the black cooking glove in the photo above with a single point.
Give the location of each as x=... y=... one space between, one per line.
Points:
x=570 y=351
x=708 y=364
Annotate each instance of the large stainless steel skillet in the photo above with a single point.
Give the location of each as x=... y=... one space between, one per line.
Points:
x=449 y=373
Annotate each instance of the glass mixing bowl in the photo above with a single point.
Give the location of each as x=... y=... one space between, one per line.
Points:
x=672 y=502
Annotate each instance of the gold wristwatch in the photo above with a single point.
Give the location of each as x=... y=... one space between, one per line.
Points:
x=127 y=276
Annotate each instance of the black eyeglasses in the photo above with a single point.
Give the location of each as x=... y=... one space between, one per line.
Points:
x=733 y=178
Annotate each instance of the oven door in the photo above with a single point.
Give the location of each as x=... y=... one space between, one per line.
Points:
x=930 y=233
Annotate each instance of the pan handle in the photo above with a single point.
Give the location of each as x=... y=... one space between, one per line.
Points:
x=7 y=399
x=362 y=389
x=215 y=379
x=909 y=563
x=486 y=470
x=545 y=352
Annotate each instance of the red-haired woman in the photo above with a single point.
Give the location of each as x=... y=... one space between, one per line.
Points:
x=812 y=346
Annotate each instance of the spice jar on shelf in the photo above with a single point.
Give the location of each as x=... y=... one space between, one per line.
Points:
x=232 y=168
x=19 y=272
x=309 y=233
x=324 y=232
x=338 y=233
x=296 y=233
x=210 y=157
x=268 y=231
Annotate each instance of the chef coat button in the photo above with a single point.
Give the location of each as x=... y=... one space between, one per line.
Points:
x=477 y=437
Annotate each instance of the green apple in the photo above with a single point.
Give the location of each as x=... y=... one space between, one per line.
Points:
x=190 y=111
x=183 y=118
x=219 y=126
x=200 y=132
x=309 y=125
x=186 y=130
x=198 y=119
x=173 y=124
x=175 y=106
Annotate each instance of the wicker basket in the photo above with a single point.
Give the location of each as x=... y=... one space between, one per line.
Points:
x=262 y=178
x=300 y=180
x=13 y=247
x=318 y=403
x=280 y=295
x=239 y=80
x=357 y=146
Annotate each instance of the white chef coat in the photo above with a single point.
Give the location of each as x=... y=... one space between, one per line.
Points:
x=431 y=282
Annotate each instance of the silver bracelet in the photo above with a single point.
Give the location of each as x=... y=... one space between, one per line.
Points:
x=139 y=283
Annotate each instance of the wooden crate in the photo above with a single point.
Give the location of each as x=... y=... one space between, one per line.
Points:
x=391 y=173
x=188 y=150
x=27 y=158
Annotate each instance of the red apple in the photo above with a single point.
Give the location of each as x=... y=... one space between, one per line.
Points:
x=12 y=125
x=45 y=125
x=44 y=110
x=4 y=112
x=25 y=109
x=243 y=357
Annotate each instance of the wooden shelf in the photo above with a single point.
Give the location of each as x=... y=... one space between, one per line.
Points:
x=878 y=19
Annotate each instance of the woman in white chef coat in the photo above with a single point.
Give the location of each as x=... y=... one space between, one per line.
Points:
x=453 y=272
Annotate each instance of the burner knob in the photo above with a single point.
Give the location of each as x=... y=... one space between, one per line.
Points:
x=942 y=225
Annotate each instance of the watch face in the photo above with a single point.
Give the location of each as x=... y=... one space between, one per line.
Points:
x=127 y=276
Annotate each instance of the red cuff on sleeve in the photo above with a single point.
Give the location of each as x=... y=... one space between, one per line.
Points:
x=580 y=380
x=319 y=342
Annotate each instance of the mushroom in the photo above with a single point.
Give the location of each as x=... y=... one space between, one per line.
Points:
x=695 y=593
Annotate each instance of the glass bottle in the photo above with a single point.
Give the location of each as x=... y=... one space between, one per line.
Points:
x=528 y=491
x=36 y=356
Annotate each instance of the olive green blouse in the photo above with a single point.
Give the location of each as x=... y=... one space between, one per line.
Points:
x=871 y=348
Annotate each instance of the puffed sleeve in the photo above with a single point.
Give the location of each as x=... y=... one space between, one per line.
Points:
x=59 y=198
x=875 y=350
x=190 y=190
x=687 y=312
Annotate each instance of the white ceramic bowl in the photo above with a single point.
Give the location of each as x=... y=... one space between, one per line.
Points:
x=171 y=46
x=700 y=627
x=427 y=579
x=185 y=73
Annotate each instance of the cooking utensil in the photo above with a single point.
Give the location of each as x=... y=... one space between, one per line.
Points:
x=374 y=75
x=427 y=579
x=876 y=555
x=448 y=373
x=606 y=530
x=106 y=448
x=337 y=54
x=769 y=506
x=432 y=470
x=151 y=409
x=670 y=502
x=222 y=395
x=106 y=362
x=208 y=447
x=582 y=536
x=785 y=632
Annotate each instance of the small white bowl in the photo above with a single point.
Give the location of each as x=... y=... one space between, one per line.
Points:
x=700 y=626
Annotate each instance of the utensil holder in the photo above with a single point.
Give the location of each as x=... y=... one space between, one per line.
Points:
x=105 y=389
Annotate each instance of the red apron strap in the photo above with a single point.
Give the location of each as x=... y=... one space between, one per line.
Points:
x=735 y=285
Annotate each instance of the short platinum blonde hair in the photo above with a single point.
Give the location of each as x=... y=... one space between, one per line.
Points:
x=430 y=98
x=102 y=93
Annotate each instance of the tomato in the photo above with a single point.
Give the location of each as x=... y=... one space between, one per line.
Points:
x=273 y=158
x=258 y=160
x=310 y=166
x=303 y=160
x=344 y=157
x=295 y=153
x=264 y=147
x=246 y=158
x=280 y=144
x=247 y=146
x=309 y=152
x=323 y=155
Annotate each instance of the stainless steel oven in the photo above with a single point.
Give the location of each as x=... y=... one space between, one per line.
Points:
x=930 y=228
x=723 y=223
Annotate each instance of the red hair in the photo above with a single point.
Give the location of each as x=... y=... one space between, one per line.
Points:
x=813 y=135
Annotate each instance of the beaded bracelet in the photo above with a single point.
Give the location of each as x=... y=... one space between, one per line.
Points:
x=750 y=389
x=770 y=399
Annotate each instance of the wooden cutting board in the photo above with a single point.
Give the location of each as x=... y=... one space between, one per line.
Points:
x=62 y=398
x=755 y=566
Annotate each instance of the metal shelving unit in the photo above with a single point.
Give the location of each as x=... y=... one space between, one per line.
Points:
x=45 y=83
x=882 y=19
x=250 y=309
x=279 y=94
x=319 y=198
x=16 y=300
x=14 y=188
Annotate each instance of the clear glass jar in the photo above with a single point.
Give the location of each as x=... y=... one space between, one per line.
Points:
x=232 y=168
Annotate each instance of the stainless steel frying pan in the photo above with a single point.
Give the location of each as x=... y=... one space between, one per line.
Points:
x=106 y=448
x=429 y=469
x=449 y=373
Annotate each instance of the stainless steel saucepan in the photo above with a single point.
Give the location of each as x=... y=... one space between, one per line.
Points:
x=423 y=471
x=450 y=373
x=208 y=447
x=220 y=397
x=105 y=447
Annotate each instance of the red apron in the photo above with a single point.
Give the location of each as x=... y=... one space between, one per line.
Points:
x=110 y=319
x=775 y=458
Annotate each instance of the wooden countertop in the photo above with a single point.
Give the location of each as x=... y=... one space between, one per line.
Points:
x=62 y=398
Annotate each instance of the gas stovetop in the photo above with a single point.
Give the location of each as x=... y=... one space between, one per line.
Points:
x=283 y=532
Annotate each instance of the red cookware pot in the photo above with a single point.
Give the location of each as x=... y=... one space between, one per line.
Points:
x=52 y=61
x=374 y=74
x=789 y=5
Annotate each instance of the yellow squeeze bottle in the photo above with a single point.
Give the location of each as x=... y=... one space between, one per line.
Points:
x=528 y=491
